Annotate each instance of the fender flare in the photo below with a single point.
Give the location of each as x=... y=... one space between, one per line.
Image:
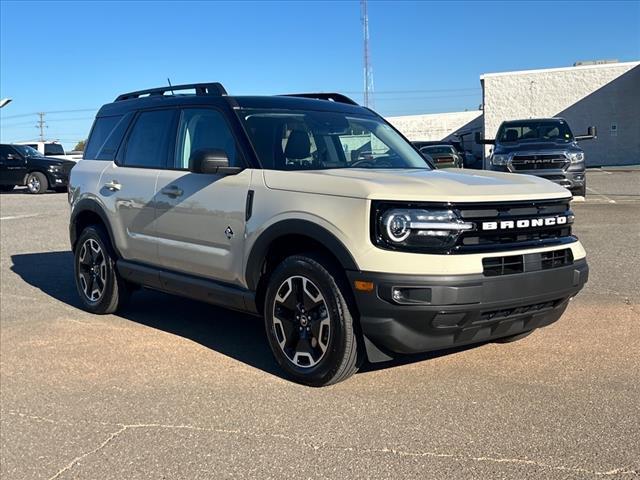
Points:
x=305 y=228
x=89 y=205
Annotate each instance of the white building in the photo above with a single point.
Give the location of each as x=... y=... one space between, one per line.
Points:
x=606 y=96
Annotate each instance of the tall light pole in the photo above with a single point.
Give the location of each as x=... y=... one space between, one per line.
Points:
x=5 y=101
x=368 y=73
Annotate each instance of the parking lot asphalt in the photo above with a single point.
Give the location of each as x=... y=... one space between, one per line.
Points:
x=173 y=388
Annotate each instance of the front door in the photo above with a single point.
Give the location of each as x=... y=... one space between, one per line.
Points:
x=128 y=186
x=13 y=166
x=200 y=218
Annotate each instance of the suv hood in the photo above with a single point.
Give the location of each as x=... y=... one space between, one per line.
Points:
x=416 y=185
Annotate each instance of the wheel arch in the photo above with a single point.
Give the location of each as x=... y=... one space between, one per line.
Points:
x=88 y=212
x=289 y=237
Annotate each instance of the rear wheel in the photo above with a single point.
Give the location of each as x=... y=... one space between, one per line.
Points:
x=309 y=325
x=98 y=283
x=37 y=183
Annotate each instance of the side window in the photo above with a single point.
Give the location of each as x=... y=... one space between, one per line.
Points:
x=149 y=140
x=5 y=151
x=102 y=127
x=202 y=128
x=111 y=144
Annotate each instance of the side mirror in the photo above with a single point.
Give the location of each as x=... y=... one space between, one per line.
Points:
x=211 y=161
x=592 y=133
x=482 y=141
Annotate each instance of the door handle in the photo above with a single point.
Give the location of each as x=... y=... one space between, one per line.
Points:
x=113 y=185
x=172 y=191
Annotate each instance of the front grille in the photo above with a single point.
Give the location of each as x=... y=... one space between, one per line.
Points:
x=485 y=241
x=531 y=262
x=538 y=162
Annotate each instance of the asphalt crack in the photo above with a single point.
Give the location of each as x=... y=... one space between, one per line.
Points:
x=323 y=446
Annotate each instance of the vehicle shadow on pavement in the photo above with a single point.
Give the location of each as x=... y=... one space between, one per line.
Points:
x=234 y=334
x=230 y=333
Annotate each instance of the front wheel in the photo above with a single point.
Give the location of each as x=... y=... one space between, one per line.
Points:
x=98 y=283
x=309 y=324
x=37 y=183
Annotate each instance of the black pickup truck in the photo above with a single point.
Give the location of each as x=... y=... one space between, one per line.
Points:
x=544 y=147
x=23 y=165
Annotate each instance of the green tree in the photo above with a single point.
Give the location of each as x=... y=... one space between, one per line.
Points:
x=80 y=146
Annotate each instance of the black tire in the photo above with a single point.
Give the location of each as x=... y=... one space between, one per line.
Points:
x=514 y=338
x=37 y=183
x=341 y=356
x=115 y=291
x=6 y=188
x=581 y=192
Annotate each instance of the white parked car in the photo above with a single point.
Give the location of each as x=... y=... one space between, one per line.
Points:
x=50 y=149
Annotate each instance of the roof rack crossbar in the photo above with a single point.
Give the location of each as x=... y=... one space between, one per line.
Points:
x=332 y=97
x=202 y=89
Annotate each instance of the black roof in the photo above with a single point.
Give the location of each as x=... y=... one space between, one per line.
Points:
x=214 y=93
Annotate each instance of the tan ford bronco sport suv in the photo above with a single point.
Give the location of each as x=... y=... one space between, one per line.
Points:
x=316 y=214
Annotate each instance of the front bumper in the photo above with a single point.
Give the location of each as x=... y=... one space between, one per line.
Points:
x=573 y=180
x=58 y=179
x=461 y=309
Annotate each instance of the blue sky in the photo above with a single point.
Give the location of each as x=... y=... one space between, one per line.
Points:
x=72 y=57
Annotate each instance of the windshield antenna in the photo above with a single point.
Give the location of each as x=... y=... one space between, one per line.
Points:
x=171 y=86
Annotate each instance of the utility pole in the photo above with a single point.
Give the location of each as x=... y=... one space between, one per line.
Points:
x=368 y=72
x=41 y=125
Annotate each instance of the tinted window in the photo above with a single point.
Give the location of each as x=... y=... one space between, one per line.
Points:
x=53 y=149
x=102 y=127
x=534 y=130
x=5 y=150
x=148 y=143
x=111 y=144
x=203 y=129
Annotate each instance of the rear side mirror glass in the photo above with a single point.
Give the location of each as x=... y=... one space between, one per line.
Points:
x=211 y=161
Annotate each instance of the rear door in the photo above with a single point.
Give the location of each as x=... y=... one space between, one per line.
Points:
x=13 y=166
x=200 y=218
x=128 y=185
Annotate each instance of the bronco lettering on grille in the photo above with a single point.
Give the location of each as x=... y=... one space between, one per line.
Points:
x=525 y=223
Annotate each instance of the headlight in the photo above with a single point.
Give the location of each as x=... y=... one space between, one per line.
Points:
x=576 y=157
x=498 y=159
x=431 y=230
x=55 y=168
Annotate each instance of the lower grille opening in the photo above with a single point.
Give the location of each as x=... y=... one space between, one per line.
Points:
x=532 y=262
x=503 y=265
x=497 y=315
x=556 y=258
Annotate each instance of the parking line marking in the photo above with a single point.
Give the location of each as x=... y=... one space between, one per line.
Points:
x=601 y=194
x=18 y=217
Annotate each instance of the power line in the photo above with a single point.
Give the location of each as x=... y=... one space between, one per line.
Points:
x=20 y=115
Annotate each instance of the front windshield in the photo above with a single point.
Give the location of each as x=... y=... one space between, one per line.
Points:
x=27 y=151
x=557 y=130
x=313 y=140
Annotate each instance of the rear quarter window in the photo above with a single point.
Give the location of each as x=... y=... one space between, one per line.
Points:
x=102 y=128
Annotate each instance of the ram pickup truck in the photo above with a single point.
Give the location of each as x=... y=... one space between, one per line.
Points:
x=256 y=203
x=544 y=147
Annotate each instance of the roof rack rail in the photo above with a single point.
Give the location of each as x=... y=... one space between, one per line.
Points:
x=202 y=89
x=332 y=97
